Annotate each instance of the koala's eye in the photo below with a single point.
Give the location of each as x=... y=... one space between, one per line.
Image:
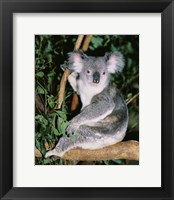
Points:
x=88 y=72
x=104 y=73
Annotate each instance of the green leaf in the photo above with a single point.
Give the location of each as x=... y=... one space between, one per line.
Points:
x=38 y=135
x=49 y=46
x=62 y=114
x=47 y=161
x=41 y=119
x=129 y=63
x=49 y=137
x=129 y=95
x=52 y=73
x=61 y=162
x=55 y=131
x=106 y=162
x=63 y=127
x=106 y=40
x=91 y=48
x=51 y=101
x=118 y=161
x=37 y=144
x=96 y=41
x=38 y=116
x=50 y=57
x=113 y=48
x=40 y=74
x=129 y=47
x=59 y=124
x=37 y=41
x=40 y=90
x=53 y=118
x=43 y=150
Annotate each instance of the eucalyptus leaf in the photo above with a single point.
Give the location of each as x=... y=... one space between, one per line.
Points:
x=40 y=74
x=62 y=114
x=51 y=101
x=40 y=90
x=55 y=131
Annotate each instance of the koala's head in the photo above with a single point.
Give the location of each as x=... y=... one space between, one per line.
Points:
x=95 y=70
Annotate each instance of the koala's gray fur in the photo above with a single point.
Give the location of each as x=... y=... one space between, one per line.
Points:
x=103 y=118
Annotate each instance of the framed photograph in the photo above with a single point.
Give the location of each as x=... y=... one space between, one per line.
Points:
x=86 y=99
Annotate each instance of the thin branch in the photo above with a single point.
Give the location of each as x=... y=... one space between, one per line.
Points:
x=65 y=76
x=134 y=97
x=62 y=88
x=78 y=42
x=86 y=42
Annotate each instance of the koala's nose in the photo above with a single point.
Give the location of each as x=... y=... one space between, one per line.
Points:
x=96 y=77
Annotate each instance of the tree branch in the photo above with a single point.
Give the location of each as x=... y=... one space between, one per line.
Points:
x=78 y=42
x=65 y=76
x=131 y=99
x=62 y=88
x=86 y=42
x=122 y=150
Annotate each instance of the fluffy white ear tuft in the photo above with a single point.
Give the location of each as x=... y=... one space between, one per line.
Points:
x=76 y=61
x=115 y=62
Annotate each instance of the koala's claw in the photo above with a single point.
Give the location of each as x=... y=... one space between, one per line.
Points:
x=72 y=128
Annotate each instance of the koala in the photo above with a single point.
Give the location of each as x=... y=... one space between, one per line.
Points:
x=103 y=119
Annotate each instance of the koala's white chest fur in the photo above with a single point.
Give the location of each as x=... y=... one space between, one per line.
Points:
x=87 y=92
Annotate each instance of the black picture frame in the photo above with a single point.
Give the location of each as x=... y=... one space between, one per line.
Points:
x=7 y=8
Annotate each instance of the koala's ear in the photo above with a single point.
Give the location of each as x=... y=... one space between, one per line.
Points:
x=76 y=61
x=114 y=62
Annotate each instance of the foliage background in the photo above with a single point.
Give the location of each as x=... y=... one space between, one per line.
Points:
x=50 y=53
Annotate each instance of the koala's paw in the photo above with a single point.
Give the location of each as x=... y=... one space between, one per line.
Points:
x=63 y=144
x=72 y=128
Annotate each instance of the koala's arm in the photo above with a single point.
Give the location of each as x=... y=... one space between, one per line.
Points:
x=100 y=107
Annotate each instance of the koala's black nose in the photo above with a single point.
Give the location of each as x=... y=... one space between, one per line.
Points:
x=96 y=77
